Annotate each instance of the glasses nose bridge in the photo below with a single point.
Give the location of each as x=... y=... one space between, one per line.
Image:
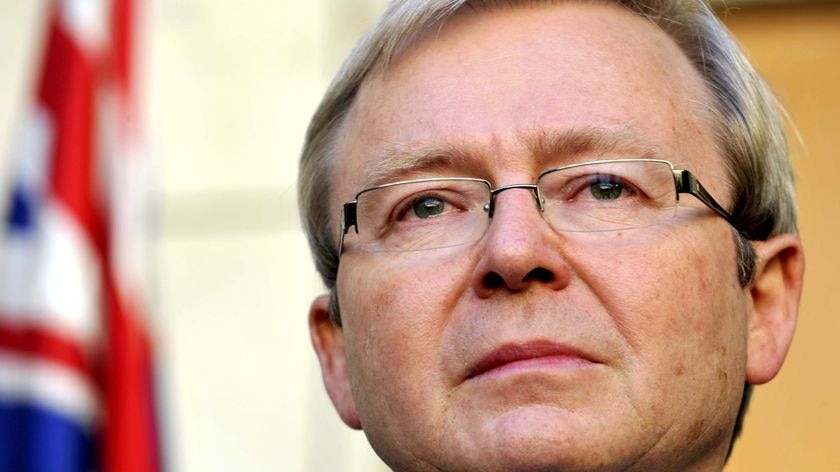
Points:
x=535 y=191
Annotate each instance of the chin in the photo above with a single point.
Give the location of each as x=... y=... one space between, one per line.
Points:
x=544 y=438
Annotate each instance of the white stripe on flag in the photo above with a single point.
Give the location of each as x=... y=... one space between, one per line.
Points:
x=86 y=21
x=47 y=385
x=125 y=166
x=51 y=276
x=32 y=150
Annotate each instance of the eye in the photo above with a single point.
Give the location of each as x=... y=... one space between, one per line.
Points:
x=605 y=187
x=424 y=203
x=428 y=207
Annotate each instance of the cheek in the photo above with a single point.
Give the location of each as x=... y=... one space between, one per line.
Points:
x=400 y=295
x=674 y=298
x=667 y=279
x=395 y=309
x=676 y=303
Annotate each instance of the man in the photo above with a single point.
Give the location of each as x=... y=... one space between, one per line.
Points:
x=556 y=235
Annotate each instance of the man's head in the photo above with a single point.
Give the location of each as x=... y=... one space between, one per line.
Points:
x=533 y=347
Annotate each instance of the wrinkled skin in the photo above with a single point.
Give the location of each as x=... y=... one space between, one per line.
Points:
x=657 y=336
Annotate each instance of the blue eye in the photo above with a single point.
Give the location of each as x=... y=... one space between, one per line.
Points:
x=428 y=207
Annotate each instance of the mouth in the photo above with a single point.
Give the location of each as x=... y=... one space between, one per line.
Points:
x=530 y=355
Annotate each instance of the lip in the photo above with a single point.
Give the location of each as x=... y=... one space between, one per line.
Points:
x=529 y=355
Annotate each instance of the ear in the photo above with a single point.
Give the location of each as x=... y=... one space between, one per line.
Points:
x=328 y=341
x=774 y=305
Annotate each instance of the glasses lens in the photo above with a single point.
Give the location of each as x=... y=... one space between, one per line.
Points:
x=422 y=214
x=608 y=195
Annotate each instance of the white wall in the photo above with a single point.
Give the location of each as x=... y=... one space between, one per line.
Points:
x=229 y=90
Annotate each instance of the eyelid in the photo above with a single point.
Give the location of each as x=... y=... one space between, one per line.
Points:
x=406 y=205
x=449 y=196
x=574 y=186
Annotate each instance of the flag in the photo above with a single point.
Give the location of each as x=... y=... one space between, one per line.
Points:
x=76 y=377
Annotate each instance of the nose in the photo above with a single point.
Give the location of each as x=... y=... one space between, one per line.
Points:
x=519 y=250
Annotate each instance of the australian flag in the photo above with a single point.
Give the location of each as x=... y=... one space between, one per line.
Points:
x=76 y=383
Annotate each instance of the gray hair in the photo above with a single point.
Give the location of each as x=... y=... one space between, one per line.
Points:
x=747 y=121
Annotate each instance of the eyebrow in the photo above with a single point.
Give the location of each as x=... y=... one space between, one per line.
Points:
x=397 y=162
x=547 y=146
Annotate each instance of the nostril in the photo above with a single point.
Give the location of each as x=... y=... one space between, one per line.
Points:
x=540 y=274
x=493 y=280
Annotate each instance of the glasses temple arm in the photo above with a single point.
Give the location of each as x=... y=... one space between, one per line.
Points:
x=348 y=219
x=688 y=183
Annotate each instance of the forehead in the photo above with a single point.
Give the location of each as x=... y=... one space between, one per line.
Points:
x=483 y=87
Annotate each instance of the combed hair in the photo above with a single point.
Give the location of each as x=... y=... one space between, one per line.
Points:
x=746 y=119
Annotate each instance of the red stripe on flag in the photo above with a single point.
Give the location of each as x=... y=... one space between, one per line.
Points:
x=130 y=434
x=66 y=91
x=44 y=344
x=122 y=32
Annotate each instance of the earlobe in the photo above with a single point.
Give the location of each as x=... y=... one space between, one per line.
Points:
x=774 y=305
x=328 y=341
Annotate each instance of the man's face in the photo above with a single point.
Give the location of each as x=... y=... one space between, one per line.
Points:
x=533 y=349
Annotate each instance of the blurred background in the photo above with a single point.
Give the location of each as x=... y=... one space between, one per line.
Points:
x=228 y=88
